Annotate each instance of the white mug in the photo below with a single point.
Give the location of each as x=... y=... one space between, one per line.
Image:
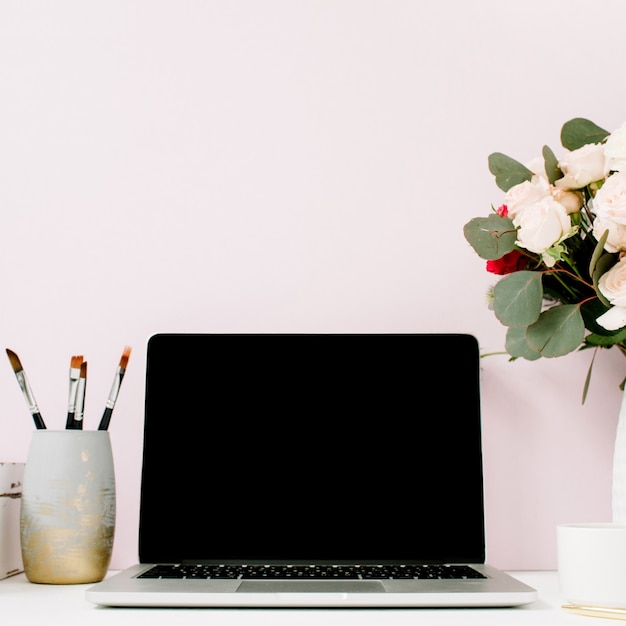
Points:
x=592 y=564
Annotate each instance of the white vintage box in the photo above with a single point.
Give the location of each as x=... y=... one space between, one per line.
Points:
x=11 y=477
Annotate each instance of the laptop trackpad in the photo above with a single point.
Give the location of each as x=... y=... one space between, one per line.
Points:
x=311 y=586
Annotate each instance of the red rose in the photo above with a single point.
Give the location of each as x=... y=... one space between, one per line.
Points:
x=509 y=263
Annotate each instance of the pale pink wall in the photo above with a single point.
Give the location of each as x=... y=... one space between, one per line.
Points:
x=276 y=165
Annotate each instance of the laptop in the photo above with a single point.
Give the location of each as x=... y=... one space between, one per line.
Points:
x=312 y=470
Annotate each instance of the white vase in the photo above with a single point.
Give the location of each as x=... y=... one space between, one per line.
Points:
x=619 y=467
x=67 y=516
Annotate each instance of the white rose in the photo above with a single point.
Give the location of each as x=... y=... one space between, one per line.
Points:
x=613 y=319
x=585 y=165
x=571 y=200
x=615 y=149
x=609 y=205
x=542 y=225
x=525 y=194
x=610 y=201
x=539 y=187
x=612 y=284
x=538 y=167
x=616 y=241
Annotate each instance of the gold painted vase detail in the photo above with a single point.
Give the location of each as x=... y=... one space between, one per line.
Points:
x=67 y=517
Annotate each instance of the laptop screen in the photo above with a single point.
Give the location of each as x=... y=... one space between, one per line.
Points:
x=312 y=448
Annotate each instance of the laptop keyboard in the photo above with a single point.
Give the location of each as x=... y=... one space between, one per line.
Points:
x=354 y=572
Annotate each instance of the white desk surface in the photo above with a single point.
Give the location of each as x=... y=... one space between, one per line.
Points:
x=26 y=604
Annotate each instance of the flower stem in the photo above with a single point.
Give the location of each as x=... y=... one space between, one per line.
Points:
x=575 y=276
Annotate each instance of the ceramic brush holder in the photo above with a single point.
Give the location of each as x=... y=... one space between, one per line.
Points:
x=67 y=517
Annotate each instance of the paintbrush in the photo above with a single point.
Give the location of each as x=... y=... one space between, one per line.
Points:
x=115 y=389
x=26 y=390
x=71 y=403
x=596 y=611
x=80 y=396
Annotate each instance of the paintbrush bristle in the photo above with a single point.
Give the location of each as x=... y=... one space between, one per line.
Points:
x=76 y=361
x=83 y=369
x=15 y=361
x=125 y=357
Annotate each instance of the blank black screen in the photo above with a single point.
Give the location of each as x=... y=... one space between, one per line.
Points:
x=301 y=447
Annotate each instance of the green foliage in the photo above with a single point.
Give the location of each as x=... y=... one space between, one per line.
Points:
x=558 y=331
x=508 y=171
x=591 y=311
x=579 y=132
x=517 y=302
x=605 y=262
x=517 y=298
x=598 y=251
x=599 y=264
x=606 y=341
x=491 y=237
x=551 y=165
x=516 y=345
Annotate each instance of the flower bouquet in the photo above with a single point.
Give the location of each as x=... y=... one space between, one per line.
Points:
x=558 y=241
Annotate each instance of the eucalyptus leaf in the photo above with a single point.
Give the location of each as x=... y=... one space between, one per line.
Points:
x=588 y=377
x=516 y=345
x=606 y=341
x=517 y=298
x=579 y=132
x=508 y=171
x=558 y=331
x=591 y=310
x=551 y=165
x=491 y=237
x=603 y=265
x=597 y=252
